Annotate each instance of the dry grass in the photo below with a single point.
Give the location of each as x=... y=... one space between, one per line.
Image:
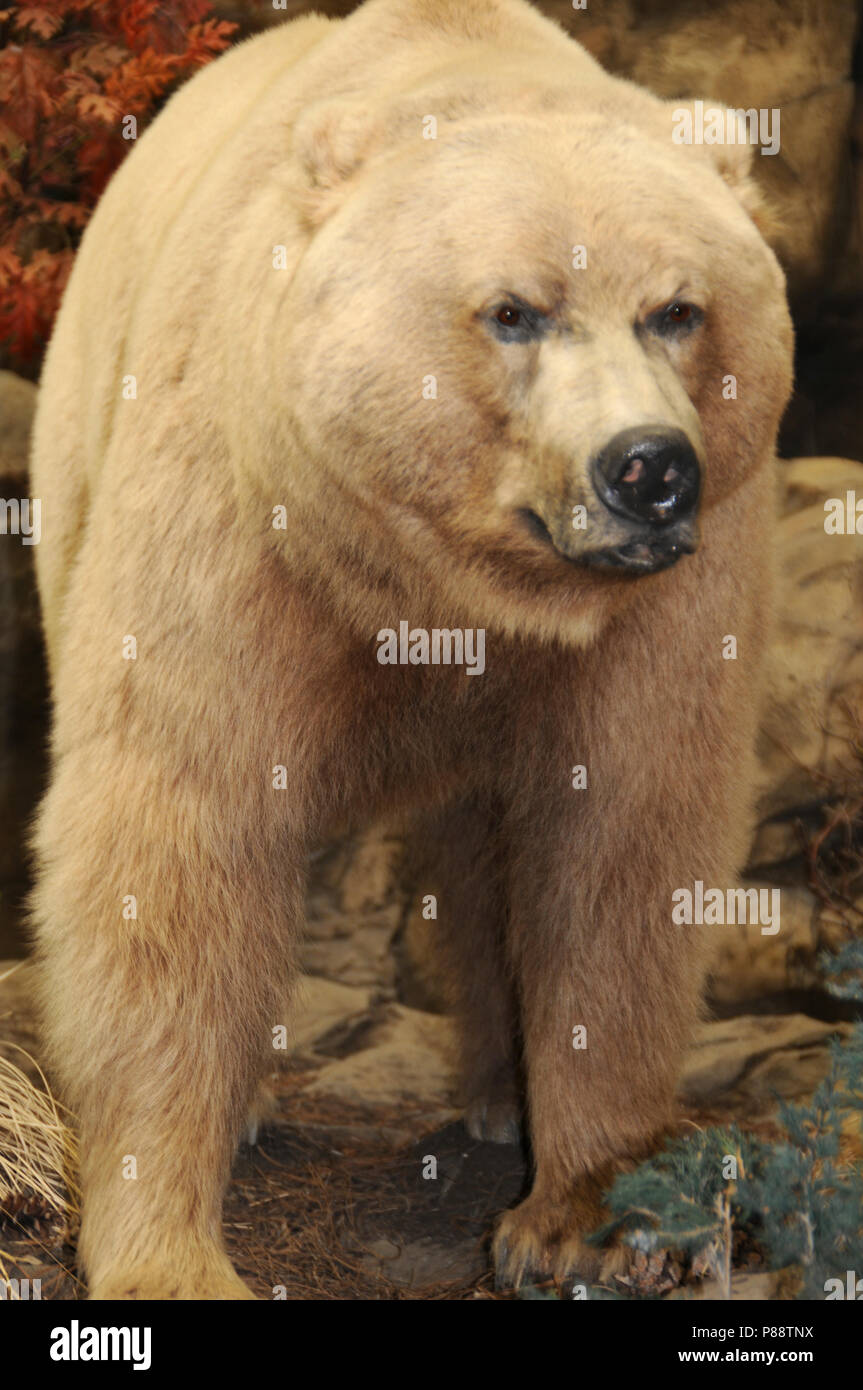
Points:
x=37 y=1147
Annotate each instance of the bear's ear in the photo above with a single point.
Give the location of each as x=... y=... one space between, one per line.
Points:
x=331 y=142
x=733 y=159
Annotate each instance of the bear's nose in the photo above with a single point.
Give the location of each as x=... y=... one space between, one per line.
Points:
x=648 y=474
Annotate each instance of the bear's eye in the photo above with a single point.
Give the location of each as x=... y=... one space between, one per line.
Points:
x=515 y=321
x=677 y=317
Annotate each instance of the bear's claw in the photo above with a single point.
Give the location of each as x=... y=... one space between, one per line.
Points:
x=542 y=1239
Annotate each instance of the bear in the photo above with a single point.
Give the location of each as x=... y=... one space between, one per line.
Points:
x=392 y=331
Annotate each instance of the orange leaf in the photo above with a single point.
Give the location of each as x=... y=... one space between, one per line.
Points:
x=46 y=23
x=71 y=214
x=206 y=40
x=100 y=108
x=10 y=266
x=98 y=59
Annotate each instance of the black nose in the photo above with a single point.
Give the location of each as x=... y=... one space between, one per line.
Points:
x=648 y=474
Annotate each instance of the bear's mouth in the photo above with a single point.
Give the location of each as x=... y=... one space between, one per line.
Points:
x=640 y=556
x=645 y=553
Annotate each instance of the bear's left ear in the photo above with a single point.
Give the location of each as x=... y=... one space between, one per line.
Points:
x=331 y=142
x=733 y=159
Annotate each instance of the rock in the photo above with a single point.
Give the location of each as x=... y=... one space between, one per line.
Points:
x=355 y=873
x=814 y=705
x=743 y=1065
x=354 y=910
x=426 y=1261
x=749 y=965
x=371 y=878
x=407 y=1061
x=327 y=1009
x=806 y=481
x=776 y=841
x=17 y=407
x=352 y=951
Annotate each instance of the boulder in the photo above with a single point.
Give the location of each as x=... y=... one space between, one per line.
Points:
x=814 y=705
x=406 y=1061
x=17 y=407
x=741 y=1067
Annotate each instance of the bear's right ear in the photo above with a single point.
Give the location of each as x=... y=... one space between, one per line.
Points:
x=331 y=142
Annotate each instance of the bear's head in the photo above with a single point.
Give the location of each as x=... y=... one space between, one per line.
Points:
x=530 y=344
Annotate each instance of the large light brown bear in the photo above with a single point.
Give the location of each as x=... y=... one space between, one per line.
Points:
x=421 y=318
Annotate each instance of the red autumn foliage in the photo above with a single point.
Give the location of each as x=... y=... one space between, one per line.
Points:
x=72 y=72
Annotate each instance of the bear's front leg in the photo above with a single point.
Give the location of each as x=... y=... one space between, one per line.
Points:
x=164 y=932
x=663 y=728
x=608 y=1001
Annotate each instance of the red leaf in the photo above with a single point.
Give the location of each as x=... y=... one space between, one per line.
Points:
x=137 y=83
x=20 y=317
x=28 y=88
x=59 y=136
x=98 y=157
